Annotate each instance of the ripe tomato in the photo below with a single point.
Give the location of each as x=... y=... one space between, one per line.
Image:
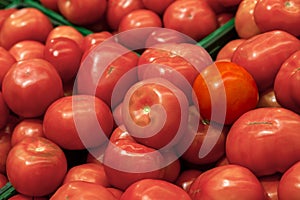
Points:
x=89 y=172
x=36 y=166
x=4 y=13
x=224 y=89
x=154 y=189
x=6 y=61
x=157 y=6
x=82 y=12
x=27 y=128
x=193 y=18
x=226 y=52
x=230 y=181
x=73 y=122
x=269 y=130
x=25 y=24
x=24 y=197
x=94 y=39
x=27 y=49
x=65 y=55
x=117 y=9
x=25 y=84
x=78 y=190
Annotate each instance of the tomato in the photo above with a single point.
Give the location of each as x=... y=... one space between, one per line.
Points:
x=89 y=172
x=126 y=161
x=280 y=11
x=82 y=12
x=230 y=181
x=107 y=72
x=27 y=49
x=244 y=14
x=36 y=166
x=187 y=177
x=157 y=6
x=65 y=55
x=270 y=184
x=227 y=88
x=27 y=128
x=154 y=189
x=4 y=149
x=117 y=9
x=226 y=52
x=24 y=197
x=224 y=17
x=189 y=18
x=269 y=130
x=6 y=61
x=4 y=13
x=155 y=113
x=78 y=190
x=73 y=122
x=268 y=99
x=50 y=4
x=25 y=24
x=288 y=187
x=286 y=84
x=263 y=54
x=94 y=39
x=173 y=166
x=4 y=112
x=25 y=84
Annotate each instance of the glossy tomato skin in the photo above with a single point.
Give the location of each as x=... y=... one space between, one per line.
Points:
x=193 y=18
x=94 y=39
x=268 y=99
x=116 y=10
x=157 y=6
x=80 y=12
x=280 y=11
x=36 y=166
x=266 y=129
x=263 y=54
x=229 y=81
x=25 y=24
x=65 y=55
x=70 y=122
x=25 y=84
x=6 y=61
x=228 y=49
x=230 y=181
x=27 y=49
x=154 y=189
x=288 y=188
x=4 y=13
x=286 y=84
x=82 y=190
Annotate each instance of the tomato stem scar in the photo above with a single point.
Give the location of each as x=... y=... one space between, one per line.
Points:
x=257 y=123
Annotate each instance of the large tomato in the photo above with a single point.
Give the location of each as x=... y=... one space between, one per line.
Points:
x=4 y=13
x=25 y=197
x=285 y=15
x=263 y=54
x=258 y=140
x=24 y=87
x=228 y=181
x=154 y=189
x=25 y=24
x=73 y=122
x=94 y=39
x=193 y=18
x=36 y=166
x=79 y=190
x=27 y=49
x=224 y=91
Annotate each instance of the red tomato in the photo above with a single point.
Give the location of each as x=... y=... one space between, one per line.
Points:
x=73 y=122
x=229 y=181
x=225 y=91
x=27 y=128
x=126 y=161
x=25 y=84
x=263 y=54
x=82 y=12
x=226 y=52
x=286 y=84
x=244 y=22
x=288 y=187
x=65 y=55
x=24 y=197
x=268 y=99
x=3 y=180
x=187 y=177
x=4 y=13
x=270 y=184
x=94 y=39
x=89 y=172
x=25 y=24
x=268 y=130
x=27 y=49
x=157 y=6
x=285 y=15
x=6 y=61
x=154 y=189
x=117 y=9
x=4 y=112
x=78 y=190
x=36 y=166
x=50 y=4
x=155 y=113
x=193 y=18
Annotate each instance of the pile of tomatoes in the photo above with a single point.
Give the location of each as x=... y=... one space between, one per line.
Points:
x=136 y=109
